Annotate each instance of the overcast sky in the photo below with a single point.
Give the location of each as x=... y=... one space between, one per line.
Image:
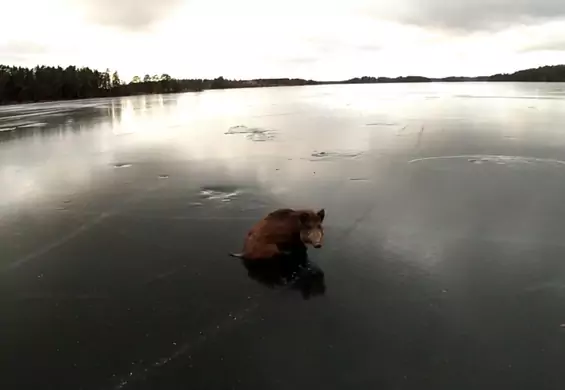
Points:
x=319 y=39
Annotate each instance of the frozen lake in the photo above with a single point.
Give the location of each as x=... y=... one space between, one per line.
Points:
x=444 y=256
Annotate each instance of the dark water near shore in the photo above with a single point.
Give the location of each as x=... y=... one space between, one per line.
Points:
x=444 y=262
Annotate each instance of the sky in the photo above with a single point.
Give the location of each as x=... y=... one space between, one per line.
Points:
x=314 y=39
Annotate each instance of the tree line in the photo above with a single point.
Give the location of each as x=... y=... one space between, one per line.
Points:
x=45 y=83
x=555 y=73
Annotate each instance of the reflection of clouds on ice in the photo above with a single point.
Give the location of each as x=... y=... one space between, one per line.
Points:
x=77 y=143
x=23 y=183
x=332 y=133
x=28 y=183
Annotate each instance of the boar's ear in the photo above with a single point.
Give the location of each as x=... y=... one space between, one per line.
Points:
x=304 y=218
x=321 y=214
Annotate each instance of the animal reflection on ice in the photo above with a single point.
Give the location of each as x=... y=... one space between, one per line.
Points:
x=295 y=271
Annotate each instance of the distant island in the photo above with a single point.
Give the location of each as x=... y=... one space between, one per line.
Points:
x=45 y=83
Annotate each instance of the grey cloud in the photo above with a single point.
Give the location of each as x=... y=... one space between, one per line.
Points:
x=473 y=15
x=317 y=49
x=303 y=60
x=557 y=45
x=368 y=47
x=326 y=45
x=16 y=52
x=325 y=48
x=129 y=14
x=21 y=48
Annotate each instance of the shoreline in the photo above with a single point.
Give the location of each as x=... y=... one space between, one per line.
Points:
x=432 y=81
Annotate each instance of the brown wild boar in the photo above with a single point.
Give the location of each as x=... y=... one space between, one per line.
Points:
x=283 y=232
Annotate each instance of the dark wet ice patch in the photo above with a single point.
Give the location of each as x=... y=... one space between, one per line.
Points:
x=33 y=124
x=485 y=160
x=219 y=194
x=329 y=156
x=260 y=137
x=494 y=159
x=22 y=125
x=122 y=165
x=256 y=134
x=381 y=124
x=240 y=129
x=32 y=110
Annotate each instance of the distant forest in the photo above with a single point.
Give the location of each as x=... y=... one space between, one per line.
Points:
x=44 y=83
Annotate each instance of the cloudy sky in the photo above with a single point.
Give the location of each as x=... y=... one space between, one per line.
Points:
x=320 y=39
